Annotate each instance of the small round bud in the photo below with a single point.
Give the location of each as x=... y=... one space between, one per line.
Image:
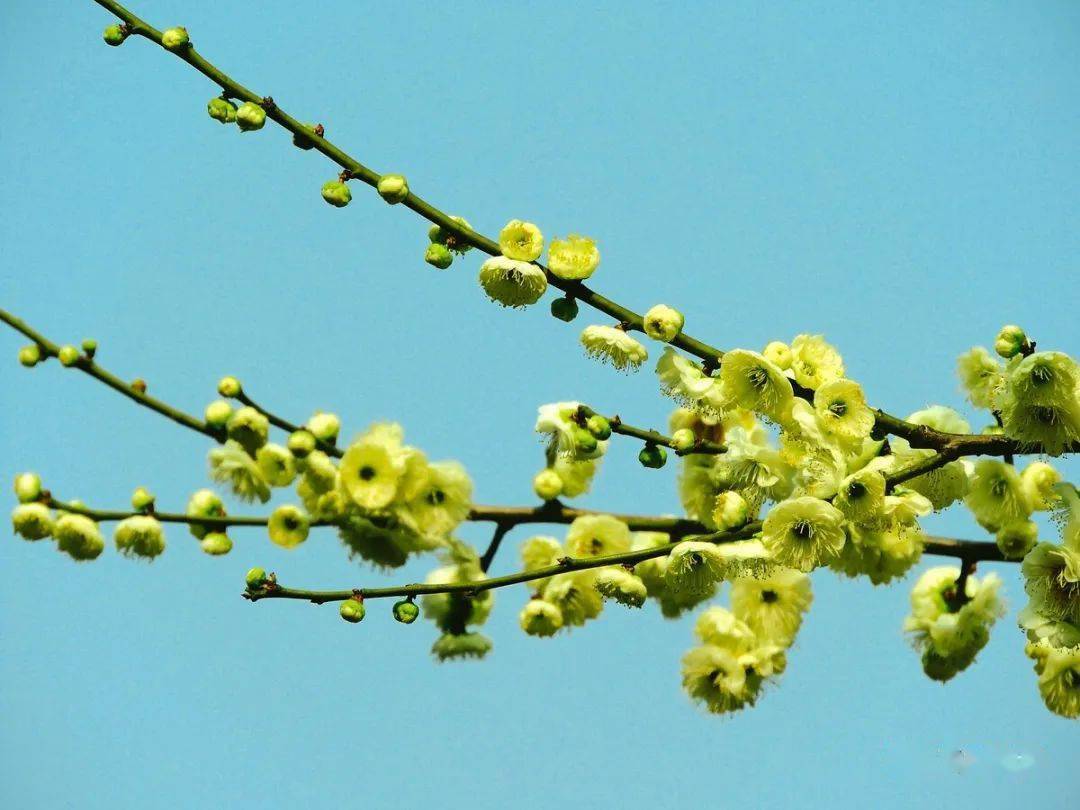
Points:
x=598 y=426
x=138 y=385
x=393 y=188
x=255 y=578
x=336 y=192
x=547 y=484
x=438 y=255
x=204 y=504
x=565 y=309
x=730 y=510
x=652 y=456
x=217 y=413
x=683 y=439
x=250 y=116
x=216 y=544
x=324 y=426
x=1010 y=341
x=352 y=610
x=30 y=355
x=27 y=487
x=142 y=499
x=68 y=355
x=303 y=143
x=663 y=323
x=406 y=611
x=221 y=109
x=228 y=387
x=114 y=35
x=89 y=347
x=301 y=443
x=779 y=354
x=175 y=38
x=584 y=442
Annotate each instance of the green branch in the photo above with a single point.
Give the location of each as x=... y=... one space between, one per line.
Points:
x=973 y=445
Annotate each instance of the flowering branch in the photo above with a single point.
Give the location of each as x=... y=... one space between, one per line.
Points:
x=918 y=435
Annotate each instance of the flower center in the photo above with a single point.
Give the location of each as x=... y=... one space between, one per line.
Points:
x=436 y=497
x=1041 y=375
x=367 y=472
x=803 y=530
x=856 y=490
x=758 y=377
x=769 y=597
x=838 y=408
x=1044 y=414
x=999 y=487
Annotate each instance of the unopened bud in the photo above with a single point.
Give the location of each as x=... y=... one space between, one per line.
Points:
x=1011 y=341
x=301 y=443
x=652 y=456
x=68 y=355
x=255 y=579
x=352 y=610
x=30 y=355
x=27 y=487
x=216 y=544
x=406 y=611
x=175 y=38
x=683 y=439
x=217 y=413
x=324 y=426
x=565 y=309
x=228 y=387
x=250 y=116
x=393 y=188
x=598 y=426
x=438 y=255
x=142 y=499
x=221 y=109
x=114 y=35
x=547 y=484
x=336 y=192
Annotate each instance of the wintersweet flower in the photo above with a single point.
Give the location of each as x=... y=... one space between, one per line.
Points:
x=576 y=597
x=512 y=283
x=695 y=567
x=981 y=377
x=620 y=585
x=230 y=464
x=288 y=526
x=1059 y=680
x=521 y=241
x=803 y=532
x=370 y=473
x=814 y=362
x=1040 y=479
x=140 y=536
x=948 y=631
x=454 y=646
x=444 y=501
x=663 y=323
x=752 y=382
x=276 y=464
x=574 y=258
x=997 y=495
x=560 y=421
x=683 y=380
x=1052 y=581
x=596 y=536
x=841 y=406
x=612 y=345
x=540 y=618
x=32 y=521
x=773 y=607
x=1016 y=539
x=861 y=496
x=78 y=536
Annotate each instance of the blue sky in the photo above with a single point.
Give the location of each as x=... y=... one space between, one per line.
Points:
x=902 y=177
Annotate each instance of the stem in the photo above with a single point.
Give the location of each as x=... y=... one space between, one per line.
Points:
x=88 y=366
x=973 y=445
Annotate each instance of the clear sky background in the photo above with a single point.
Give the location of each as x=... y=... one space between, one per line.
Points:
x=902 y=177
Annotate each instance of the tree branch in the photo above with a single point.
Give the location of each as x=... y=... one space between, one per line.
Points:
x=973 y=445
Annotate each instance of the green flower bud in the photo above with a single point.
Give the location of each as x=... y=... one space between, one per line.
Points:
x=142 y=499
x=438 y=255
x=228 y=387
x=598 y=426
x=584 y=441
x=683 y=439
x=1010 y=341
x=30 y=355
x=216 y=544
x=221 y=109
x=250 y=116
x=303 y=143
x=255 y=578
x=89 y=347
x=336 y=192
x=324 y=426
x=663 y=323
x=547 y=485
x=406 y=611
x=175 y=38
x=652 y=456
x=730 y=510
x=352 y=610
x=206 y=504
x=114 y=35
x=27 y=487
x=444 y=236
x=68 y=355
x=217 y=413
x=301 y=443
x=393 y=188
x=565 y=309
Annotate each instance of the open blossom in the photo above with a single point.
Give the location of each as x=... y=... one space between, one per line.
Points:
x=803 y=532
x=512 y=283
x=572 y=440
x=980 y=376
x=773 y=606
x=752 y=382
x=815 y=362
x=521 y=241
x=683 y=380
x=613 y=345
